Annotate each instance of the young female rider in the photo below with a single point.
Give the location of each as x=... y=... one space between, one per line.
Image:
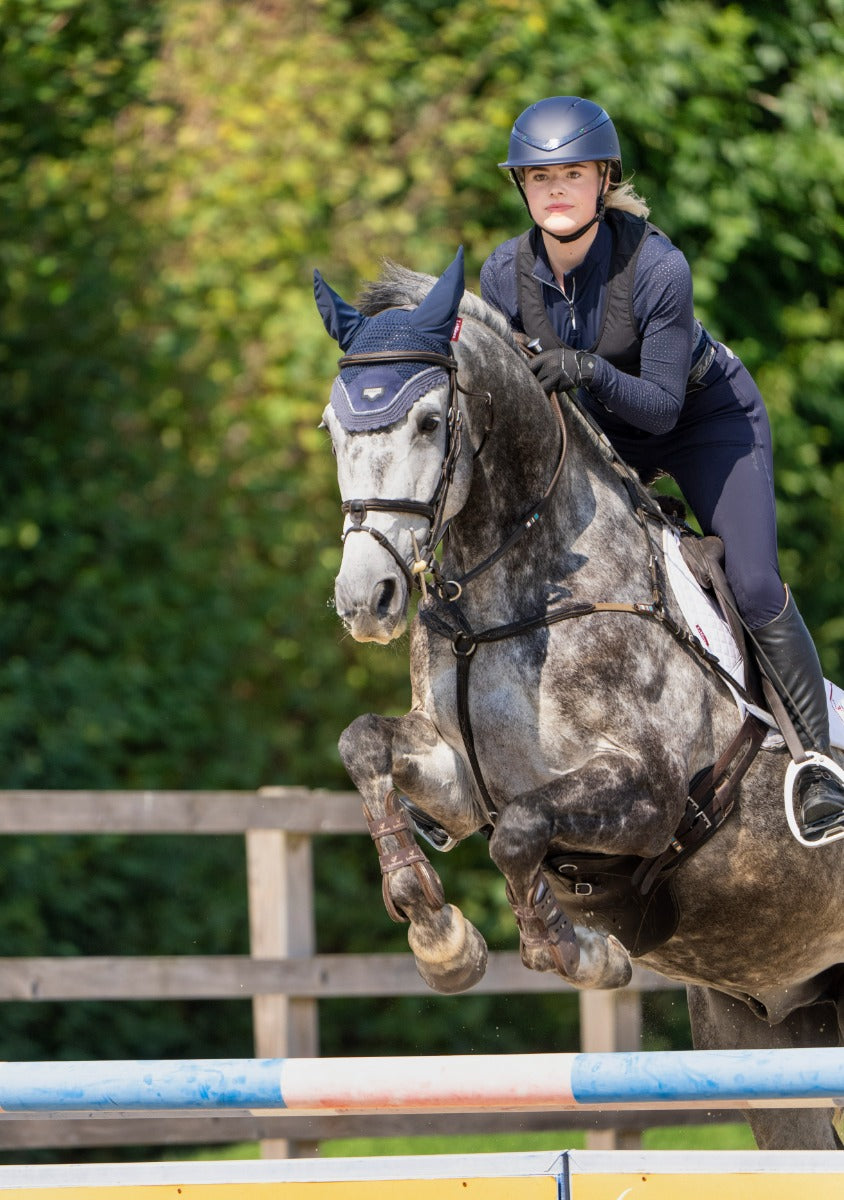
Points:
x=608 y=299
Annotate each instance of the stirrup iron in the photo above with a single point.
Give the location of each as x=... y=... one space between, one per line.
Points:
x=792 y=801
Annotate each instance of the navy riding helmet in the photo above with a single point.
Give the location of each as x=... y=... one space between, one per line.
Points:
x=564 y=129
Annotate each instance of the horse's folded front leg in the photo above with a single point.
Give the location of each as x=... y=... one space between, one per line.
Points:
x=611 y=805
x=450 y=954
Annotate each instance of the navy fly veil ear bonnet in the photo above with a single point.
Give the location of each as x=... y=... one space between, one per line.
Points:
x=373 y=396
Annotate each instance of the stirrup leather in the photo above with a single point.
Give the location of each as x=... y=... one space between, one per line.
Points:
x=792 y=800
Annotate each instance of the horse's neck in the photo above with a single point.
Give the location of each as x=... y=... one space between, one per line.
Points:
x=598 y=520
x=587 y=544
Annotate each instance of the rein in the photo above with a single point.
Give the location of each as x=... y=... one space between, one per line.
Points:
x=703 y=816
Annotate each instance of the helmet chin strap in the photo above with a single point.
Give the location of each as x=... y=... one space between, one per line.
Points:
x=600 y=209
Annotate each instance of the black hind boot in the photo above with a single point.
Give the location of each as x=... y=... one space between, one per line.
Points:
x=789 y=658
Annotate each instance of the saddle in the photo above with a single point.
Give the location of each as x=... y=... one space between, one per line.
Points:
x=704 y=556
x=634 y=898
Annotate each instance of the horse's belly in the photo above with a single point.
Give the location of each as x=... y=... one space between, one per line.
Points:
x=769 y=927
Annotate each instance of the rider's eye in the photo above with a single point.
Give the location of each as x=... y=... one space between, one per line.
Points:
x=430 y=423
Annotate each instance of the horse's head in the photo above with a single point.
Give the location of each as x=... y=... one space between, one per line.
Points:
x=395 y=427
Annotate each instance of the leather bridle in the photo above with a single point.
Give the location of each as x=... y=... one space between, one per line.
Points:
x=432 y=511
x=424 y=561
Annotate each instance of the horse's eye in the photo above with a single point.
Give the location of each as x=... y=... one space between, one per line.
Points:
x=430 y=423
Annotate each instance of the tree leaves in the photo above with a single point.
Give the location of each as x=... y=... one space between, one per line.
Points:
x=171 y=174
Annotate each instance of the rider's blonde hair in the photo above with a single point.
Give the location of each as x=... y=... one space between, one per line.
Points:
x=624 y=197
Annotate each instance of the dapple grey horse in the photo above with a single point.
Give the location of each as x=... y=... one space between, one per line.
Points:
x=557 y=705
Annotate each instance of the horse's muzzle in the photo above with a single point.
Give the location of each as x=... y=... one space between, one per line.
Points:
x=372 y=613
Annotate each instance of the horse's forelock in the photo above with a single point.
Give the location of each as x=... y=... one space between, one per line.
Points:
x=397 y=287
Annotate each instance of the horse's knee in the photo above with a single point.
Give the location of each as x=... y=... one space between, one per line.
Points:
x=361 y=731
x=520 y=840
x=365 y=748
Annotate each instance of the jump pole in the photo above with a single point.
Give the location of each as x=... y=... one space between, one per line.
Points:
x=723 y=1079
x=532 y=1175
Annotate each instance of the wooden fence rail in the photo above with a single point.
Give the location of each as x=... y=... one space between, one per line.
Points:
x=283 y=975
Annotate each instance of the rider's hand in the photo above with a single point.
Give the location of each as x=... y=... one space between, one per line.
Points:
x=563 y=369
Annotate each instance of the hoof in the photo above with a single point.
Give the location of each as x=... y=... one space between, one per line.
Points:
x=604 y=963
x=453 y=961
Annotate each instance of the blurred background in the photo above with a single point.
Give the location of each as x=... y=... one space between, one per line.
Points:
x=170 y=174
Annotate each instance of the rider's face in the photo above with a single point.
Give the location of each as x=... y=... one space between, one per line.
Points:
x=562 y=196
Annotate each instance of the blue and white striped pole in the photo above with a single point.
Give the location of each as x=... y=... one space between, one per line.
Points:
x=686 y=1079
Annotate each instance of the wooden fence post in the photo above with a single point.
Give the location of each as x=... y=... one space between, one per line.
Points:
x=611 y=1021
x=279 y=871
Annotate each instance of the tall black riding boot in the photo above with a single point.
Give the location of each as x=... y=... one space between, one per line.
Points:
x=788 y=656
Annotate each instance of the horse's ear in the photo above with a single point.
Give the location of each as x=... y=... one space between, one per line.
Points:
x=341 y=320
x=438 y=311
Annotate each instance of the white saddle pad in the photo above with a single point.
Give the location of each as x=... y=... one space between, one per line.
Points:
x=706 y=621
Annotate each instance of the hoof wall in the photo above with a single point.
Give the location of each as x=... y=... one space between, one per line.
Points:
x=454 y=964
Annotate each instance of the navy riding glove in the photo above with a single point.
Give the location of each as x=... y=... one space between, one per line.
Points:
x=563 y=369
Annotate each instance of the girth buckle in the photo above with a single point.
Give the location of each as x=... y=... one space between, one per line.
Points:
x=700 y=814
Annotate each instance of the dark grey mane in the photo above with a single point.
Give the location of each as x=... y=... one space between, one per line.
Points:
x=397 y=286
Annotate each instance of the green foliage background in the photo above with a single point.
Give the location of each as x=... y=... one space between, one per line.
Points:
x=170 y=174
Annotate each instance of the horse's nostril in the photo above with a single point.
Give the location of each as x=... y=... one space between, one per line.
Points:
x=384 y=596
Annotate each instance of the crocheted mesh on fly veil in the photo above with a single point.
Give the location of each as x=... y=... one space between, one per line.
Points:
x=367 y=397
x=393 y=331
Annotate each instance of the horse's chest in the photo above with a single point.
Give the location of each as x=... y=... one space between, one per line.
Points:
x=504 y=707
